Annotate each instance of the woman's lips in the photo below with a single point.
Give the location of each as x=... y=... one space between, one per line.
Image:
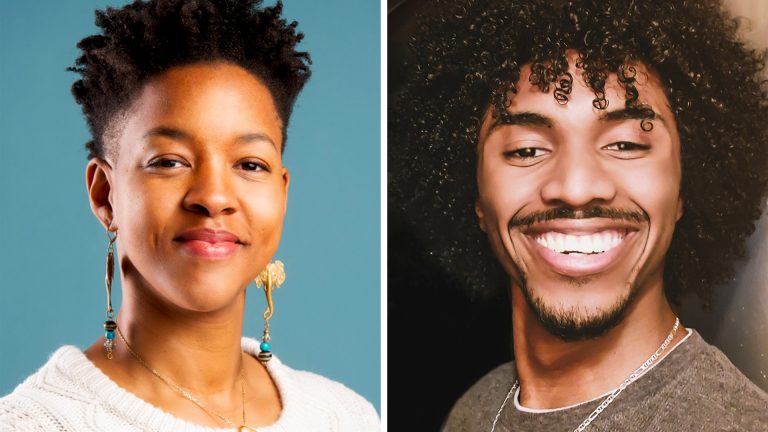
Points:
x=204 y=249
x=579 y=264
x=208 y=243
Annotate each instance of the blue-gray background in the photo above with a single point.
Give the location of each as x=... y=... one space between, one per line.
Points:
x=52 y=249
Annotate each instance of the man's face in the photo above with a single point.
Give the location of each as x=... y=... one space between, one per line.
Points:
x=579 y=203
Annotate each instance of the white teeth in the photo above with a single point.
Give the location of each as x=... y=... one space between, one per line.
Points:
x=585 y=244
x=571 y=243
x=560 y=242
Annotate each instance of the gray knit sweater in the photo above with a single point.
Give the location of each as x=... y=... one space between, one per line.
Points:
x=695 y=388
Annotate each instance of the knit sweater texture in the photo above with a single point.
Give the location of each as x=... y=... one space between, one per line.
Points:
x=69 y=393
x=694 y=388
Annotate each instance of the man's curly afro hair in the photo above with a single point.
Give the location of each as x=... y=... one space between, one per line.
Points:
x=466 y=57
x=143 y=39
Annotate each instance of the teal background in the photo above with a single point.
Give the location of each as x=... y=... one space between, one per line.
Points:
x=52 y=249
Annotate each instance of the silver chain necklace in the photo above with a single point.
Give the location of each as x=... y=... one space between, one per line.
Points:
x=604 y=404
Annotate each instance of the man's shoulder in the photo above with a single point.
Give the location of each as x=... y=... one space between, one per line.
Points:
x=476 y=409
x=715 y=385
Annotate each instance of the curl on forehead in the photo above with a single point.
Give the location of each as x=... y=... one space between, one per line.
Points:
x=636 y=88
x=557 y=75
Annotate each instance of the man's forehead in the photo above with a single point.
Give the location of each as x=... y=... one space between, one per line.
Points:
x=607 y=102
x=641 y=75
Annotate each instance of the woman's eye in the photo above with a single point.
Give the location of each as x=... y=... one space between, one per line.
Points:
x=526 y=153
x=253 y=166
x=166 y=163
x=626 y=146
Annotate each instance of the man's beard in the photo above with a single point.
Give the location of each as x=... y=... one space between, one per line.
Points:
x=577 y=324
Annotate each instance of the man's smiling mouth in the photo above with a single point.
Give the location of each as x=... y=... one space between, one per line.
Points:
x=585 y=244
x=580 y=242
x=582 y=247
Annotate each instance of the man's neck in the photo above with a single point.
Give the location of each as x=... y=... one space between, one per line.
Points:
x=554 y=373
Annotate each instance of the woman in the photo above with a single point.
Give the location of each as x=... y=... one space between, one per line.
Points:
x=188 y=103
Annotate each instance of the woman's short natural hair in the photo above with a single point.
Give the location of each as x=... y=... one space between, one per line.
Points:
x=145 y=38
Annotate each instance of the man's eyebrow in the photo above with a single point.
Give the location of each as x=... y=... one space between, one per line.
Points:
x=180 y=135
x=524 y=118
x=633 y=113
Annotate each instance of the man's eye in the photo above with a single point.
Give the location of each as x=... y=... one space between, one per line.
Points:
x=525 y=153
x=626 y=146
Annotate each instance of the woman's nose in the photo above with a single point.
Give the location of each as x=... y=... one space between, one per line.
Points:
x=210 y=192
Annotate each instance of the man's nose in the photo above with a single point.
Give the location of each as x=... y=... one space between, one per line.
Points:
x=578 y=178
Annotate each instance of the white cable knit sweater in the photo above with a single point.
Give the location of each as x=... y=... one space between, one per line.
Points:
x=69 y=393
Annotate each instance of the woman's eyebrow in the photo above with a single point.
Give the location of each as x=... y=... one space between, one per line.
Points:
x=257 y=136
x=180 y=135
x=168 y=132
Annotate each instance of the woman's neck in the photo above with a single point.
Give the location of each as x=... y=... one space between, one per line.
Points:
x=200 y=351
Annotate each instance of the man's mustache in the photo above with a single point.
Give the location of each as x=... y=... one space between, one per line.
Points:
x=582 y=213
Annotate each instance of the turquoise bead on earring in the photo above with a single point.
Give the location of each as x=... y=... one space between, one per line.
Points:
x=109 y=335
x=265 y=355
x=110 y=325
x=271 y=277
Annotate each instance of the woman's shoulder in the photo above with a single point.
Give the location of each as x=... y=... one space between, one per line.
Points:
x=320 y=394
x=45 y=398
x=69 y=393
x=317 y=386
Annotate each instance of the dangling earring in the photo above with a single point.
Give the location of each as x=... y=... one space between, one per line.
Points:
x=110 y=325
x=271 y=277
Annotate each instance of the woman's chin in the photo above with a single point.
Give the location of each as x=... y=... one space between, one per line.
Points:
x=201 y=295
x=180 y=285
x=205 y=302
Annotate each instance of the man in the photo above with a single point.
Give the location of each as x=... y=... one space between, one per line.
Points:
x=619 y=153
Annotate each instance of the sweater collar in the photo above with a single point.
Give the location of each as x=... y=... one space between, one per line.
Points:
x=134 y=411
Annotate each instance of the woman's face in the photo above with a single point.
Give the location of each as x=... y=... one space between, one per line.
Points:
x=196 y=189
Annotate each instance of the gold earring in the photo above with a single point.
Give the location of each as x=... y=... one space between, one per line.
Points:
x=271 y=277
x=110 y=325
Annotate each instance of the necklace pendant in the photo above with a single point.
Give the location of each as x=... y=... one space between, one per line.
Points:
x=245 y=428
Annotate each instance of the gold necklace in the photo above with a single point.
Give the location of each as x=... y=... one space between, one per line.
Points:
x=242 y=428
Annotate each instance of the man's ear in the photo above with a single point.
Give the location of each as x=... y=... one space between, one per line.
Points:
x=98 y=181
x=480 y=215
x=680 y=206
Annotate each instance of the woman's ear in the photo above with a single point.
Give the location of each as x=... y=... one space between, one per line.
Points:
x=98 y=181
x=286 y=183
